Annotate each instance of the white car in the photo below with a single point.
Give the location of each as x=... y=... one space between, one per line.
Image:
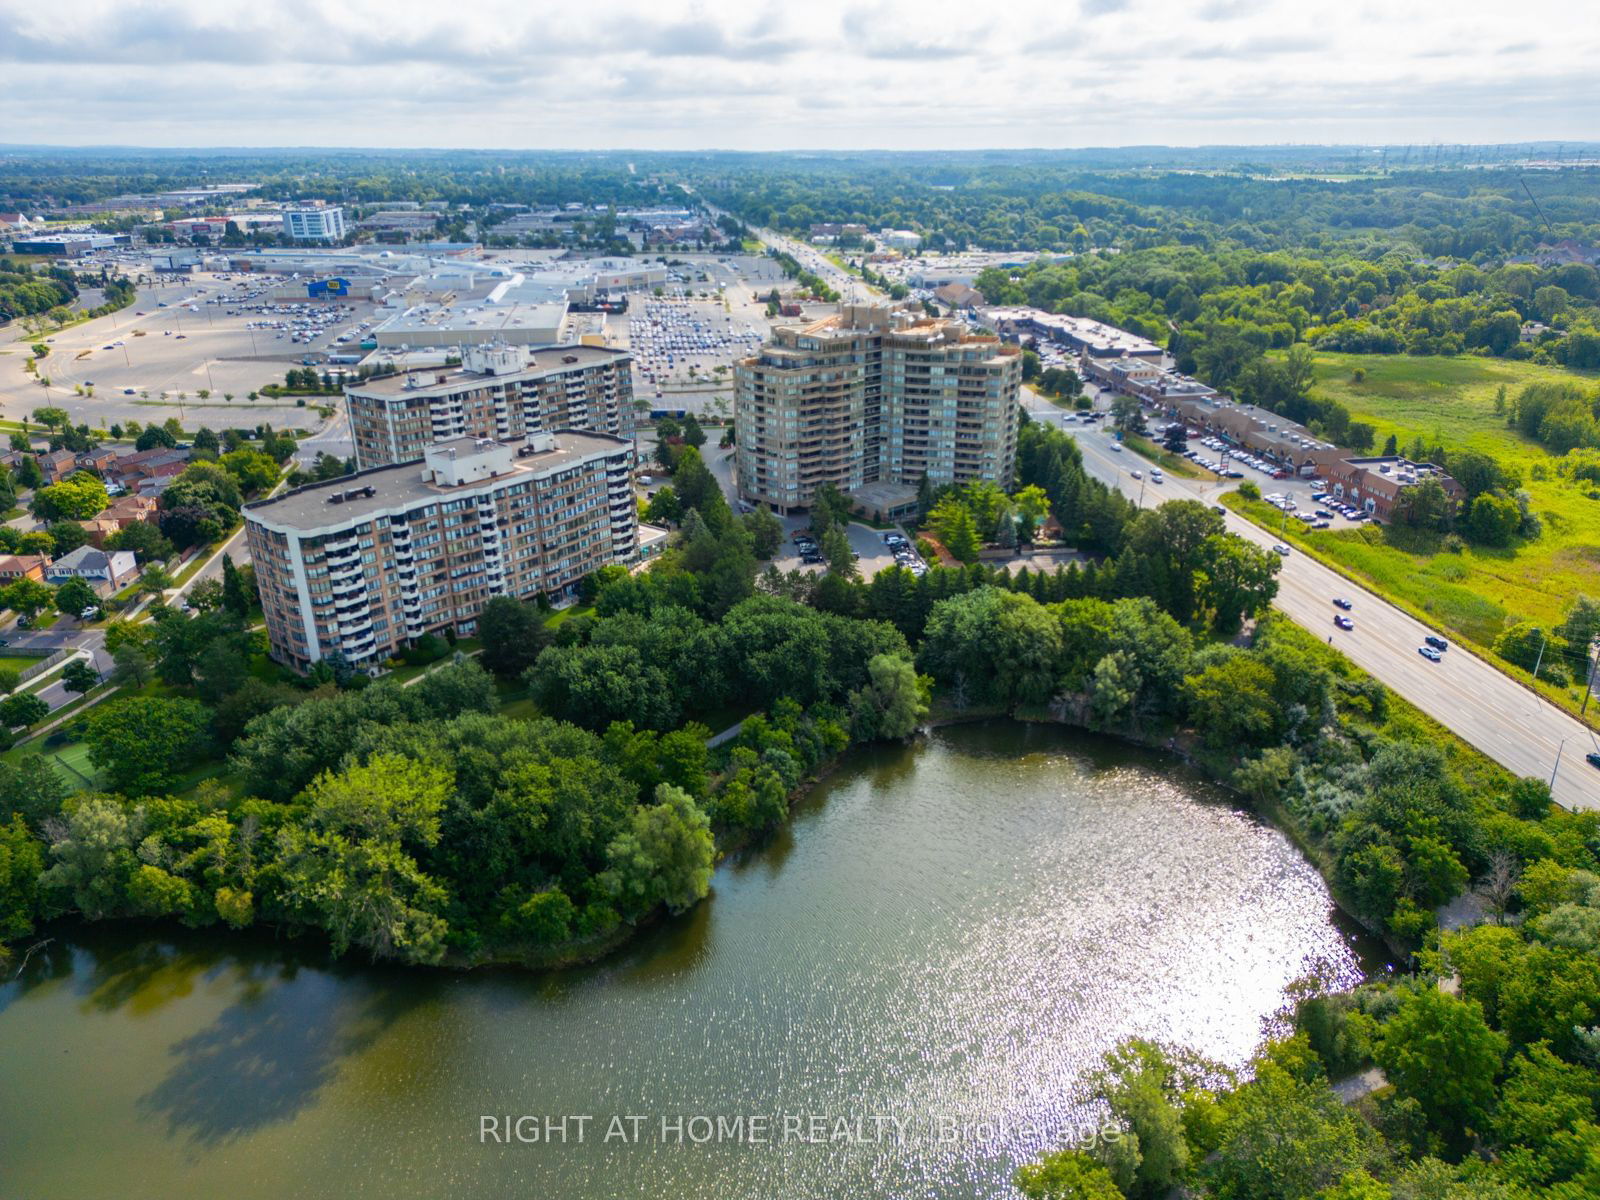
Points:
x=1137 y=474
x=1282 y=549
x=1117 y=446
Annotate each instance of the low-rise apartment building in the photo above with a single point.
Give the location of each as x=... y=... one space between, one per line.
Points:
x=498 y=392
x=874 y=395
x=367 y=564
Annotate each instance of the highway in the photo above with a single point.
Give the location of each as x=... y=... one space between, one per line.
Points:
x=1464 y=693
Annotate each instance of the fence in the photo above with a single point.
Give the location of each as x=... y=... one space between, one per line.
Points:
x=44 y=664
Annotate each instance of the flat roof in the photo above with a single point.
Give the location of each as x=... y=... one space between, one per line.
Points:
x=544 y=360
x=498 y=316
x=306 y=509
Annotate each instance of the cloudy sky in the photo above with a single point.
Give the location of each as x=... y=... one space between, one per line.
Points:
x=663 y=74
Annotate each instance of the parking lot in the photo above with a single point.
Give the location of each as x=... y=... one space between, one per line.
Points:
x=223 y=334
x=874 y=550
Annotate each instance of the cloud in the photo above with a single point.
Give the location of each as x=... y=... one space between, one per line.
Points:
x=762 y=74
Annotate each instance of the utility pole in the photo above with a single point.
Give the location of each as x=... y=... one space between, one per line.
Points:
x=1539 y=659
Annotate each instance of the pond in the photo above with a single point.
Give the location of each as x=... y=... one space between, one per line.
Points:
x=900 y=996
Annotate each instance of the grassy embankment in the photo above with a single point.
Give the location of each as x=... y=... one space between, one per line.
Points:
x=1474 y=591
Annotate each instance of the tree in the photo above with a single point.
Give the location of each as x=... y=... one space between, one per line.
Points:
x=1438 y=1050
x=155 y=579
x=893 y=702
x=21 y=864
x=79 y=676
x=1066 y=1175
x=1425 y=506
x=27 y=596
x=664 y=508
x=836 y=550
x=92 y=855
x=153 y=436
x=1231 y=703
x=1284 y=1138
x=22 y=708
x=955 y=527
x=67 y=536
x=145 y=743
x=1238 y=579
x=133 y=666
x=1493 y=519
x=254 y=471
x=77 y=498
x=766 y=531
x=1002 y=646
x=512 y=634
x=693 y=435
x=144 y=539
x=236 y=597
x=75 y=596
x=350 y=868
x=665 y=857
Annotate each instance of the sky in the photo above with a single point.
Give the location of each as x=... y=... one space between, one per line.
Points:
x=819 y=74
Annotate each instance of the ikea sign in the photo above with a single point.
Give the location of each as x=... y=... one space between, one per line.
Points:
x=328 y=287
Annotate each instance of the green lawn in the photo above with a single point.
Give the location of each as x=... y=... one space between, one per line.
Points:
x=21 y=662
x=1451 y=401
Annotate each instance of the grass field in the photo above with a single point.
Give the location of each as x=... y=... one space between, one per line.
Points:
x=20 y=662
x=1480 y=590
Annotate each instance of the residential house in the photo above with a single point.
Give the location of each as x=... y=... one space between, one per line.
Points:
x=98 y=461
x=129 y=469
x=103 y=570
x=21 y=566
x=56 y=465
x=119 y=514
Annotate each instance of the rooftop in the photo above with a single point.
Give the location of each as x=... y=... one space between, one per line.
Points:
x=389 y=489
x=543 y=361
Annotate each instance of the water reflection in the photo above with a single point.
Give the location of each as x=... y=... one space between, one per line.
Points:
x=957 y=931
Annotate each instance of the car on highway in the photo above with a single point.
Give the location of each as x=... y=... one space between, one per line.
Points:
x=1137 y=474
x=1344 y=623
x=1117 y=446
x=1438 y=643
x=1155 y=475
x=1341 y=602
x=1592 y=758
x=1429 y=653
x=1280 y=548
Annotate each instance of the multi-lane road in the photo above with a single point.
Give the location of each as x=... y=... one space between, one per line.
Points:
x=1466 y=694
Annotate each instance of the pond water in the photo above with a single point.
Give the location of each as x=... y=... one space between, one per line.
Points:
x=900 y=996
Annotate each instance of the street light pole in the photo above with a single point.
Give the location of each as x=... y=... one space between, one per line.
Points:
x=1562 y=745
